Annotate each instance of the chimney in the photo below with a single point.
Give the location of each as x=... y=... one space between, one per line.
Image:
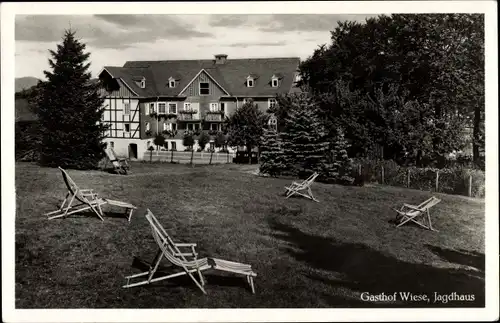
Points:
x=220 y=58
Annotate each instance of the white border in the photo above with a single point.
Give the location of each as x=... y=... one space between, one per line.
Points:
x=490 y=313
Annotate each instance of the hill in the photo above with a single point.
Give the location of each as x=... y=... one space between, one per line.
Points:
x=23 y=83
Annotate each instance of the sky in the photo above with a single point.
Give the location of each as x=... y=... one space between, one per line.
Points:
x=114 y=39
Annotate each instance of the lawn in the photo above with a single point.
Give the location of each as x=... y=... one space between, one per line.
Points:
x=306 y=254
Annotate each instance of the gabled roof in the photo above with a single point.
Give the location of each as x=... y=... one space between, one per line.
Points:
x=231 y=76
x=129 y=77
x=210 y=76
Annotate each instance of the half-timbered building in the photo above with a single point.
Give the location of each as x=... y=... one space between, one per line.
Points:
x=144 y=98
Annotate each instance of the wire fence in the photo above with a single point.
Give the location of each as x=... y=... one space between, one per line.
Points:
x=457 y=180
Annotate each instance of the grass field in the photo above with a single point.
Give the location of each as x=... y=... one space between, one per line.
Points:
x=306 y=254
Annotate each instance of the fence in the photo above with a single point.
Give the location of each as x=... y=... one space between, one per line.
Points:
x=458 y=180
x=184 y=157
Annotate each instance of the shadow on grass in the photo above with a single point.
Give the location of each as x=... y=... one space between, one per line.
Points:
x=462 y=257
x=360 y=268
x=210 y=276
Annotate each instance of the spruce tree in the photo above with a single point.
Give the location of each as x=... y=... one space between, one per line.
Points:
x=304 y=142
x=272 y=157
x=69 y=108
x=339 y=167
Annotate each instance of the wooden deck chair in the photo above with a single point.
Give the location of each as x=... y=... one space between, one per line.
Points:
x=303 y=188
x=88 y=200
x=120 y=165
x=418 y=214
x=187 y=260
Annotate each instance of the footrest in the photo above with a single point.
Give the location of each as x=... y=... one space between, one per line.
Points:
x=121 y=204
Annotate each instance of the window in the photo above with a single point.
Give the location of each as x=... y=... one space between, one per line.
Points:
x=165 y=144
x=246 y=100
x=126 y=127
x=112 y=144
x=162 y=108
x=272 y=103
x=273 y=120
x=147 y=126
x=187 y=106
x=143 y=83
x=274 y=82
x=171 y=83
x=148 y=144
x=214 y=126
x=212 y=145
x=165 y=126
x=196 y=126
x=127 y=109
x=172 y=108
x=222 y=106
x=174 y=126
x=174 y=145
x=190 y=126
x=214 y=107
x=151 y=108
x=250 y=82
x=204 y=88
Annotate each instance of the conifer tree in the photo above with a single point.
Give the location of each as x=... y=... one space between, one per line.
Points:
x=304 y=142
x=272 y=157
x=339 y=167
x=69 y=108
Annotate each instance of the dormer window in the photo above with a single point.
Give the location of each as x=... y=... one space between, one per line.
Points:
x=250 y=81
x=274 y=81
x=140 y=81
x=171 y=82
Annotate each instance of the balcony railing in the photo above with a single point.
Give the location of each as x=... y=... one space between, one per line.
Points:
x=213 y=117
x=188 y=117
x=188 y=111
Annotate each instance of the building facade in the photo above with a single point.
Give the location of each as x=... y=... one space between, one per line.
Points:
x=144 y=98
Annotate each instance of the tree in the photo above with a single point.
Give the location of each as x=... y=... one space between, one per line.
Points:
x=305 y=148
x=203 y=140
x=433 y=60
x=340 y=162
x=69 y=108
x=188 y=141
x=272 y=160
x=159 y=141
x=151 y=148
x=245 y=127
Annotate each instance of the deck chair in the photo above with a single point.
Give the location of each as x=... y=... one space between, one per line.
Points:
x=417 y=214
x=120 y=165
x=187 y=260
x=87 y=199
x=303 y=188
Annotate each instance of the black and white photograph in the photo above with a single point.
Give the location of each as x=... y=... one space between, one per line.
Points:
x=249 y=162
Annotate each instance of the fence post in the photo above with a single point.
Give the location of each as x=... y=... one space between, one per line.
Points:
x=437 y=180
x=359 y=169
x=408 y=180
x=382 y=174
x=470 y=185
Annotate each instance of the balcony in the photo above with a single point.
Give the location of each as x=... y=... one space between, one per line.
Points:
x=214 y=117
x=188 y=117
x=188 y=111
